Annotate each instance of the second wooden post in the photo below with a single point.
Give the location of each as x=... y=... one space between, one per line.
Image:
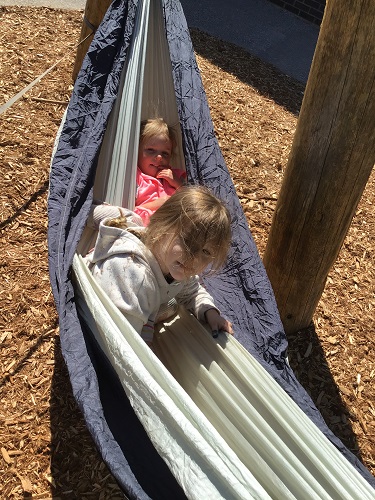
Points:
x=331 y=159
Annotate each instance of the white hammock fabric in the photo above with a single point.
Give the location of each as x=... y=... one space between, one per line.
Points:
x=221 y=423
x=201 y=461
x=146 y=91
x=223 y=426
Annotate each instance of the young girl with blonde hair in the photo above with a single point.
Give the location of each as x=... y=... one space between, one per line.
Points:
x=156 y=179
x=141 y=269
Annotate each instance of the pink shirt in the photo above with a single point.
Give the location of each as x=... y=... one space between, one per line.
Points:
x=150 y=189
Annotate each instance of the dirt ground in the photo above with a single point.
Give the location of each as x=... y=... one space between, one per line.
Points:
x=46 y=450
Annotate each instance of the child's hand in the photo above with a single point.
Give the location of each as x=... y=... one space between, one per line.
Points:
x=167 y=174
x=217 y=322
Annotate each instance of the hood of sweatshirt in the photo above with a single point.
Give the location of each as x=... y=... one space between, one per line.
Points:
x=115 y=241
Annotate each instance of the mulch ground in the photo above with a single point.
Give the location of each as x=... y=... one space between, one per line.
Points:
x=46 y=449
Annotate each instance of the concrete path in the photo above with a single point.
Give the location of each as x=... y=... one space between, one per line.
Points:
x=54 y=4
x=262 y=28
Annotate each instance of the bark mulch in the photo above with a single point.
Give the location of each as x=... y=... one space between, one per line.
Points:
x=46 y=450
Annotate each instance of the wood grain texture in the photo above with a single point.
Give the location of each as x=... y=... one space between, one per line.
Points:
x=332 y=156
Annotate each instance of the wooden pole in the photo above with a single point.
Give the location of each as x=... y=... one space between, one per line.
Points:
x=93 y=15
x=332 y=156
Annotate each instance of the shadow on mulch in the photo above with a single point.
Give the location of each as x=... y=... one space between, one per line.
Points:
x=269 y=81
x=308 y=361
x=41 y=191
x=17 y=368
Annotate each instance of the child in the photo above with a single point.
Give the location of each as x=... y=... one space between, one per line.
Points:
x=143 y=268
x=156 y=180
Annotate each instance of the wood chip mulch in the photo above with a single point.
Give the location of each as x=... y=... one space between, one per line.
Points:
x=46 y=450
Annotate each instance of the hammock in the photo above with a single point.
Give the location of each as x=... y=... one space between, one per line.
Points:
x=205 y=418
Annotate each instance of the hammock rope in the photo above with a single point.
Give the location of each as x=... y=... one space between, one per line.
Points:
x=28 y=87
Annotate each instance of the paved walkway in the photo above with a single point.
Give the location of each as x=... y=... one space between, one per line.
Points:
x=54 y=4
x=259 y=26
x=262 y=28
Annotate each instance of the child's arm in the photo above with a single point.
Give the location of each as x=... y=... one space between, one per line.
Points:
x=145 y=210
x=155 y=204
x=196 y=299
x=172 y=176
x=128 y=283
x=217 y=322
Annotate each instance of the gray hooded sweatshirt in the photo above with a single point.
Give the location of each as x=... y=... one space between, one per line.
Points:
x=131 y=276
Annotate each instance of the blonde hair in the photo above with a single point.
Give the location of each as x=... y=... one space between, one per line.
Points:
x=157 y=126
x=195 y=216
x=119 y=222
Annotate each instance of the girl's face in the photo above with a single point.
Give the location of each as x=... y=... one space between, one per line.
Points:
x=154 y=155
x=174 y=260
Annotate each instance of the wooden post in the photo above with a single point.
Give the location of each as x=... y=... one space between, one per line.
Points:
x=332 y=156
x=93 y=15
